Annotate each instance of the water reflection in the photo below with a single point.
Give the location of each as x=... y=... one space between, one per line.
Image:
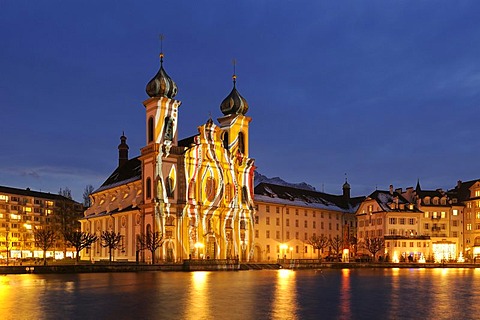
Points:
x=198 y=306
x=285 y=297
x=345 y=296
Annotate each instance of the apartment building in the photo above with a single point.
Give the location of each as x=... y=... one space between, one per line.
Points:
x=24 y=210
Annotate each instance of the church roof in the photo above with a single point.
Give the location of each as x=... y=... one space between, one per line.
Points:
x=234 y=103
x=305 y=198
x=161 y=84
x=128 y=172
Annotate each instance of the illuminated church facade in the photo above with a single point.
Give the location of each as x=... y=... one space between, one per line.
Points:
x=196 y=192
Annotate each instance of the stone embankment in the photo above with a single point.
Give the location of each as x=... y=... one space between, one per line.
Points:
x=215 y=265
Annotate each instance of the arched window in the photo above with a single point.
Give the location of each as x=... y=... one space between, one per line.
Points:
x=245 y=194
x=169 y=187
x=228 y=192
x=148 y=188
x=241 y=143
x=242 y=224
x=210 y=188
x=225 y=140
x=191 y=189
x=150 y=130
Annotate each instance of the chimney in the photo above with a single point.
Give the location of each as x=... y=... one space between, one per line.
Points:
x=459 y=184
x=122 y=150
x=391 y=189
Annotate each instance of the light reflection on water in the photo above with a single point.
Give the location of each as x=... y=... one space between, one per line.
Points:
x=268 y=294
x=285 y=301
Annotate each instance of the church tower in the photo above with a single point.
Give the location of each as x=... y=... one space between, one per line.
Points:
x=159 y=165
x=234 y=122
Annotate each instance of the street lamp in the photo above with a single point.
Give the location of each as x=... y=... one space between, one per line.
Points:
x=197 y=246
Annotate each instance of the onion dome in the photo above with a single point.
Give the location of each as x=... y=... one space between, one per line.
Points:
x=234 y=103
x=161 y=85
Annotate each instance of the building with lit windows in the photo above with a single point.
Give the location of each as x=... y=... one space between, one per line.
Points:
x=24 y=210
x=441 y=220
x=467 y=198
x=388 y=215
x=286 y=218
x=415 y=224
x=196 y=192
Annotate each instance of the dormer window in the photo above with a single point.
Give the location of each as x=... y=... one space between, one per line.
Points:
x=426 y=200
x=477 y=193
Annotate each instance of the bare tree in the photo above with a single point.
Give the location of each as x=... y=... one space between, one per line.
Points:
x=374 y=245
x=66 y=217
x=111 y=240
x=67 y=193
x=353 y=244
x=336 y=243
x=44 y=239
x=80 y=240
x=86 y=195
x=8 y=244
x=150 y=241
x=318 y=242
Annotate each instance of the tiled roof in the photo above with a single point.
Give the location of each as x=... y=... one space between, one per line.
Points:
x=287 y=195
x=385 y=198
x=462 y=190
x=130 y=171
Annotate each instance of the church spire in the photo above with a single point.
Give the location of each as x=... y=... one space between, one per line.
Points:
x=161 y=84
x=234 y=103
x=122 y=150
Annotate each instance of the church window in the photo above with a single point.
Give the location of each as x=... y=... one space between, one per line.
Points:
x=241 y=143
x=245 y=194
x=225 y=140
x=228 y=191
x=191 y=189
x=150 y=130
x=242 y=224
x=210 y=188
x=169 y=187
x=148 y=188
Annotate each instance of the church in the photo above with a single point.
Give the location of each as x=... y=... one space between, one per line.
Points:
x=196 y=192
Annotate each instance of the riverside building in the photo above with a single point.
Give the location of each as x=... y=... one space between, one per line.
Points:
x=24 y=210
x=196 y=192
x=287 y=217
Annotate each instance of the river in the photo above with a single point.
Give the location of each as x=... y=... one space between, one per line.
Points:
x=260 y=294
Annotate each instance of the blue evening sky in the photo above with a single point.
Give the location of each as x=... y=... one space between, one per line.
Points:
x=384 y=91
